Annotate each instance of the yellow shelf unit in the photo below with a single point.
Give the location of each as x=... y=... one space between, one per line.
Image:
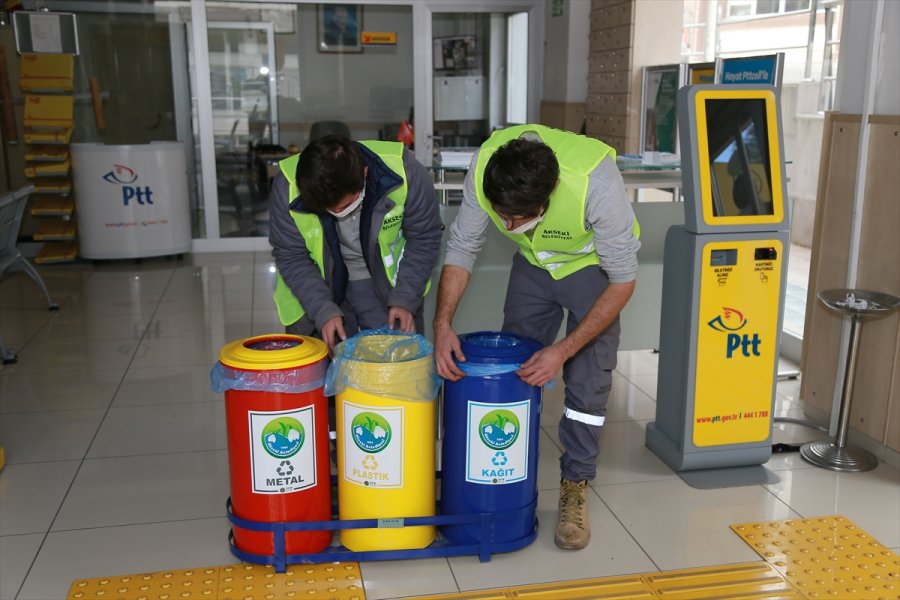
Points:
x=46 y=73
x=48 y=113
x=52 y=138
x=47 y=154
x=62 y=187
x=48 y=121
x=54 y=230
x=47 y=169
x=53 y=206
x=57 y=252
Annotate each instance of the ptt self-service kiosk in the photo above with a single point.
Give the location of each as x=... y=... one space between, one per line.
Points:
x=723 y=282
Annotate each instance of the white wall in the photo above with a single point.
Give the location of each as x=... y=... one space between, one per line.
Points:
x=578 y=13
x=556 y=54
x=566 y=47
x=372 y=88
x=887 y=88
x=856 y=42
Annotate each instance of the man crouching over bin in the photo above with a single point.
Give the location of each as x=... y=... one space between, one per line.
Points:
x=355 y=231
x=561 y=198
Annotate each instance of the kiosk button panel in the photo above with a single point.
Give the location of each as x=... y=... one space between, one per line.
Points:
x=766 y=254
x=723 y=257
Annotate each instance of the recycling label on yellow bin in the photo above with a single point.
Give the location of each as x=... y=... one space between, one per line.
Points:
x=282 y=450
x=373 y=445
x=497 y=444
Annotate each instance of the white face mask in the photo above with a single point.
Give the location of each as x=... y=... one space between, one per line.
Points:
x=528 y=226
x=350 y=207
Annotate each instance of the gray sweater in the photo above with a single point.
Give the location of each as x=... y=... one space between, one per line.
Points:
x=607 y=212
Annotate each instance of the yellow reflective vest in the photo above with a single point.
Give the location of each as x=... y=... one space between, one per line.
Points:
x=560 y=243
x=390 y=235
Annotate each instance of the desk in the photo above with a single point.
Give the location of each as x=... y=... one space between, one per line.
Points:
x=659 y=178
x=666 y=177
x=441 y=184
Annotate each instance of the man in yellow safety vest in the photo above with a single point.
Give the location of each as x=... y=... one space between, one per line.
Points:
x=561 y=198
x=355 y=231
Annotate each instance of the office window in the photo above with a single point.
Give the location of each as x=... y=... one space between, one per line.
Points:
x=274 y=75
x=749 y=8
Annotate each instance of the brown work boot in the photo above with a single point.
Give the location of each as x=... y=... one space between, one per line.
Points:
x=573 y=530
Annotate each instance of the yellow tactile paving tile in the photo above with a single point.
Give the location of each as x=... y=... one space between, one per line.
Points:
x=826 y=557
x=331 y=581
x=749 y=581
x=629 y=587
x=805 y=559
x=756 y=580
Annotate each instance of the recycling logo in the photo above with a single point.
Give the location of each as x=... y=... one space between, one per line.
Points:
x=285 y=468
x=369 y=463
x=283 y=437
x=499 y=459
x=499 y=429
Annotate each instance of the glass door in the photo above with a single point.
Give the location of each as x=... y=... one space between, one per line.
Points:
x=278 y=75
x=482 y=75
x=245 y=121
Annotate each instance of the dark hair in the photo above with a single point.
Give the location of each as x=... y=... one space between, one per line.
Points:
x=520 y=177
x=329 y=169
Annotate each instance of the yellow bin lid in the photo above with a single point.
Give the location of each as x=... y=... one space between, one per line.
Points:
x=273 y=352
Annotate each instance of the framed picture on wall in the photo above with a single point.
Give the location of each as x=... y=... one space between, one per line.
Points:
x=458 y=53
x=658 y=129
x=338 y=27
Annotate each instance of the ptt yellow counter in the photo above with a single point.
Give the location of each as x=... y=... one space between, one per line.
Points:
x=385 y=440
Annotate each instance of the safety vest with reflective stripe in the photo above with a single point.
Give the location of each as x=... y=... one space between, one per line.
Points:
x=560 y=243
x=390 y=235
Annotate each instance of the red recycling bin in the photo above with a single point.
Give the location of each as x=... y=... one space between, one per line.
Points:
x=277 y=419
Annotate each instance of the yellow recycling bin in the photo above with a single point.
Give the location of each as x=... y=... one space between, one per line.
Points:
x=385 y=383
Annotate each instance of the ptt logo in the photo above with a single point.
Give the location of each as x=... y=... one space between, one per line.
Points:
x=730 y=321
x=124 y=176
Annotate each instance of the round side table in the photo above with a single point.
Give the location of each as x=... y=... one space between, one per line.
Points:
x=837 y=455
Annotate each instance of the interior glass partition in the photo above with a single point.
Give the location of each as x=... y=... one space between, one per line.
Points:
x=278 y=71
x=480 y=75
x=132 y=81
x=479 y=84
x=244 y=116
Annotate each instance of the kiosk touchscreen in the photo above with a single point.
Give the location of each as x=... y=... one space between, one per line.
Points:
x=723 y=283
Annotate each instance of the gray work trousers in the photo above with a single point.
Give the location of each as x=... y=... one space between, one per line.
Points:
x=362 y=310
x=534 y=308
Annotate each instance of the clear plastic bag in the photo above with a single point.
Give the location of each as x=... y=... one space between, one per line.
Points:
x=385 y=363
x=286 y=381
x=483 y=369
x=486 y=369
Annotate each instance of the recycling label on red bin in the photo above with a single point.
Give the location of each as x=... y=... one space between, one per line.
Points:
x=283 y=450
x=497 y=444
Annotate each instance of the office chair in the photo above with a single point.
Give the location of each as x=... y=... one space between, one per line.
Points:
x=322 y=128
x=12 y=208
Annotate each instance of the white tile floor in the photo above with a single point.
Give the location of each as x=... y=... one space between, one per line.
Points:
x=117 y=460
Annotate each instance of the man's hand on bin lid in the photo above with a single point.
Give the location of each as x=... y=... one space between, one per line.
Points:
x=332 y=330
x=404 y=317
x=543 y=366
x=446 y=345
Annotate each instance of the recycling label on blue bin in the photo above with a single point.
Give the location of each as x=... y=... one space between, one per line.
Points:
x=282 y=450
x=497 y=444
x=373 y=445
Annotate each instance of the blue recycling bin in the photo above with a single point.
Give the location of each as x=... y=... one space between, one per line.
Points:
x=490 y=445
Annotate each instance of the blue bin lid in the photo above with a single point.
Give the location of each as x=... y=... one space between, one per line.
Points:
x=497 y=347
